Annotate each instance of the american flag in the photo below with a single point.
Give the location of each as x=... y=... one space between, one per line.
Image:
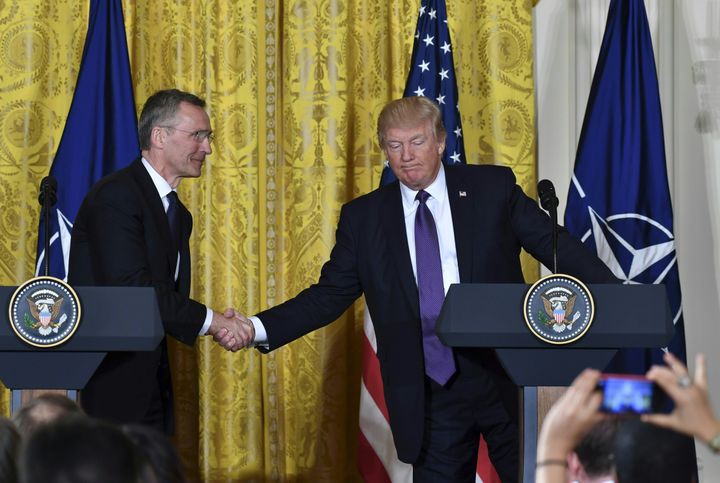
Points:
x=431 y=75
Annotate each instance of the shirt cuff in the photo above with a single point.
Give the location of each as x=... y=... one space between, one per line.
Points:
x=208 y=321
x=261 y=338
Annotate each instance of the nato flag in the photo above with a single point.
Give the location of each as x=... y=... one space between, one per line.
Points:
x=619 y=201
x=100 y=134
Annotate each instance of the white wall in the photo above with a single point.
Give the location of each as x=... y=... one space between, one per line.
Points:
x=568 y=34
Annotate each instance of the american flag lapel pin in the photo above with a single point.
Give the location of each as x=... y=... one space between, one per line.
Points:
x=462 y=194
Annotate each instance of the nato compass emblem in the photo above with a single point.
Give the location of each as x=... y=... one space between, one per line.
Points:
x=617 y=243
x=44 y=312
x=558 y=309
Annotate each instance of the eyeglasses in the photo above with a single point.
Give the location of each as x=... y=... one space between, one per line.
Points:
x=198 y=136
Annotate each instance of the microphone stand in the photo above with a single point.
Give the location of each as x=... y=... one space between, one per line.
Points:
x=46 y=233
x=549 y=202
x=47 y=198
x=553 y=215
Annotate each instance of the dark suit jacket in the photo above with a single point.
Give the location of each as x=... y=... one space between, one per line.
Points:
x=121 y=237
x=492 y=220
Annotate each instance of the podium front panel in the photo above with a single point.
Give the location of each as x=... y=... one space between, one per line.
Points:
x=113 y=319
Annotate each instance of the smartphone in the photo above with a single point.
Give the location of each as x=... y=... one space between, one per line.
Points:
x=629 y=394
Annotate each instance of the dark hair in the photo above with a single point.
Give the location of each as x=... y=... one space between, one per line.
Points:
x=43 y=409
x=595 y=450
x=409 y=112
x=79 y=449
x=158 y=451
x=648 y=453
x=160 y=109
x=9 y=447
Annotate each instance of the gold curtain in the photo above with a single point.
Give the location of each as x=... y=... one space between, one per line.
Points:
x=293 y=91
x=40 y=48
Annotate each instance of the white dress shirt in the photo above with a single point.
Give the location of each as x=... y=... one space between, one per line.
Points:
x=440 y=208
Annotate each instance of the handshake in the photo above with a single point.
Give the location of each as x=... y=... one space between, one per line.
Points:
x=232 y=330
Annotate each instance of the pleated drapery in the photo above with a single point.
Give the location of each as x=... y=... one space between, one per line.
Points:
x=293 y=89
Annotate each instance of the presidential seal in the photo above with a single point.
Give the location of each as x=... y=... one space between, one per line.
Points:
x=558 y=309
x=44 y=312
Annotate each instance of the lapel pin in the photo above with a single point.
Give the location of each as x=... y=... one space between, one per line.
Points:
x=462 y=194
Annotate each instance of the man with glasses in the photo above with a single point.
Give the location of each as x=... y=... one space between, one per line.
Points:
x=132 y=230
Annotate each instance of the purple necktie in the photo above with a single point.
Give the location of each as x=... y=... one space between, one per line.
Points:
x=439 y=363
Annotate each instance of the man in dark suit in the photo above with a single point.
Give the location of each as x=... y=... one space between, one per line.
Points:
x=123 y=237
x=480 y=219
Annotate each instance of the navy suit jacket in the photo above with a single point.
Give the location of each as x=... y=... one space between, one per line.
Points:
x=492 y=220
x=121 y=237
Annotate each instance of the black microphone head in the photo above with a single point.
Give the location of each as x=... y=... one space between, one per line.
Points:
x=546 y=194
x=50 y=182
x=48 y=186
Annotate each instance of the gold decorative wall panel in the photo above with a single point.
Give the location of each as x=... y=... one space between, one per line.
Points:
x=293 y=91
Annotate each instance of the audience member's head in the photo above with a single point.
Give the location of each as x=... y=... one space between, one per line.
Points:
x=593 y=460
x=9 y=447
x=78 y=449
x=42 y=410
x=158 y=451
x=648 y=453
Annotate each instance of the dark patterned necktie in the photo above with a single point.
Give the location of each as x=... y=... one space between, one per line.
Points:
x=173 y=214
x=439 y=363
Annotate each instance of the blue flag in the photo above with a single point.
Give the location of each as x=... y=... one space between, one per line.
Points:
x=619 y=200
x=432 y=74
x=100 y=134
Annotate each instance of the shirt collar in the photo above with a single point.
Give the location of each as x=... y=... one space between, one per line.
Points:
x=162 y=186
x=436 y=189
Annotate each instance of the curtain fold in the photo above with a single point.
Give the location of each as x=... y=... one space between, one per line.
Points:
x=40 y=52
x=293 y=89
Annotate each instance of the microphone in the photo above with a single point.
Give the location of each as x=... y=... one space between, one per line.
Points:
x=47 y=198
x=546 y=193
x=549 y=202
x=48 y=190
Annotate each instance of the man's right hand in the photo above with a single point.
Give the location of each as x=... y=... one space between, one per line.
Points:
x=232 y=330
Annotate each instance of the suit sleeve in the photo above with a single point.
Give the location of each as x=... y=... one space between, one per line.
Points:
x=120 y=244
x=322 y=303
x=533 y=227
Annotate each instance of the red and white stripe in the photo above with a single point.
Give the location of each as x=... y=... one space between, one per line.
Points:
x=377 y=458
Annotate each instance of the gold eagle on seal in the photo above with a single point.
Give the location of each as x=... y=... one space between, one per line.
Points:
x=46 y=313
x=560 y=311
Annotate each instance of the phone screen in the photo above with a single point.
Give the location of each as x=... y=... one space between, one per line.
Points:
x=628 y=394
